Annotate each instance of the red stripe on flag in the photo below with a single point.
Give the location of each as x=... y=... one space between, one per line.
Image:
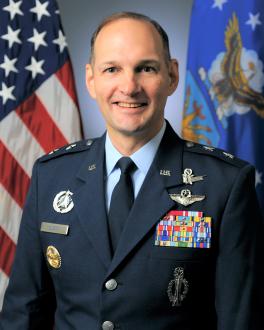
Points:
x=7 y=252
x=34 y=115
x=65 y=75
x=13 y=177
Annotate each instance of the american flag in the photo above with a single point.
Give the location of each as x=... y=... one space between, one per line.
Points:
x=38 y=107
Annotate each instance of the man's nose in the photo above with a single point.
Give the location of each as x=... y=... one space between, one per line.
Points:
x=129 y=84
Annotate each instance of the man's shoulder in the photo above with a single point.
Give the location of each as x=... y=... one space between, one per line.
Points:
x=213 y=152
x=70 y=149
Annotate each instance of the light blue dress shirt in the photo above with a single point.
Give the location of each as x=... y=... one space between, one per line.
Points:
x=143 y=159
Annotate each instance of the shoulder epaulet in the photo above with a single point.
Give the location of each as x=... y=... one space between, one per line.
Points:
x=214 y=152
x=70 y=148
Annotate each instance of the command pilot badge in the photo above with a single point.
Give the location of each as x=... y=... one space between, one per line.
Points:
x=186 y=198
x=53 y=257
x=63 y=202
x=178 y=287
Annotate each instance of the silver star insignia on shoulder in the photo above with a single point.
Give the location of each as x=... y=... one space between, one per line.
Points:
x=71 y=146
x=208 y=148
x=189 y=144
x=228 y=155
x=89 y=142
x=52 y=152
x=63 y=202
x=186 y=198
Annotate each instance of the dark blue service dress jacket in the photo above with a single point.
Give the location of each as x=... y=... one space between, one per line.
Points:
x=70 y=279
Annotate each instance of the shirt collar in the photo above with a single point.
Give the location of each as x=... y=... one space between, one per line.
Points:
x=143 y=157
x=112 y=155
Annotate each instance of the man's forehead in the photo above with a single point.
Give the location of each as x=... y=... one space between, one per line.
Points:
x=128 y=35
x=127 y=21
x=125 y=26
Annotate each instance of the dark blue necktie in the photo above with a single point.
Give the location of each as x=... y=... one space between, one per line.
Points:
x=121 y=200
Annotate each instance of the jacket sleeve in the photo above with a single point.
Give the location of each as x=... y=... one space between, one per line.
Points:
x=239 y=271
x=29 y=301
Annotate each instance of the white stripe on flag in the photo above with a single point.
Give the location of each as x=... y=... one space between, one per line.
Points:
x=3 y=285
x=18 y=139
x=61 y=107
x=10 y=214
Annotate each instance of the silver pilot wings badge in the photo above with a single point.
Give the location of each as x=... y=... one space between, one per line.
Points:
x=186 y=198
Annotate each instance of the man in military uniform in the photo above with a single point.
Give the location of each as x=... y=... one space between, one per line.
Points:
x=173 y=242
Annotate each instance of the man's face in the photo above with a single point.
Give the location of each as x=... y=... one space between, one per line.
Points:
x=130 y=78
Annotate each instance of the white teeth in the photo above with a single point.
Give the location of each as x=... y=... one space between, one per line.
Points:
x=129 y=105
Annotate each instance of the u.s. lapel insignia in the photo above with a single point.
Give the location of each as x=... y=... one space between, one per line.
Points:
x=188 y=176
x=165 y=172
x=63 y=202
x=186 y=198
x=53 y=257
x=178 y=287
x=92 y=167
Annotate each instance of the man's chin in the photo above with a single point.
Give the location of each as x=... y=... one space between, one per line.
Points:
x=142 y=131
x=137 y=131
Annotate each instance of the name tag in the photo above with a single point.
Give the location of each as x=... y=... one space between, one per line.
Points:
x=54 y=228
x=185 y=229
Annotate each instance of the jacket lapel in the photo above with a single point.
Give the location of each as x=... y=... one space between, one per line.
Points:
x=153 y=200
x=90 y=204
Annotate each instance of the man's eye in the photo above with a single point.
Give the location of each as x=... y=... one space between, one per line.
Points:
x=110 y=70
x=148 y=69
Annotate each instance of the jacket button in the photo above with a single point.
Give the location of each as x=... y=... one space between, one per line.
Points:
x=108 y=325
x=111 y=284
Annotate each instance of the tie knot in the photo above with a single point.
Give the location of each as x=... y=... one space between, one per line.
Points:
x=126 y=165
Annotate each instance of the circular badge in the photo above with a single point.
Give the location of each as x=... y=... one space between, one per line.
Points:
x=53 y=257
x=63 y=202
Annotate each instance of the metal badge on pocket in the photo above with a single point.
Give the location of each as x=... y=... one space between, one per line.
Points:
x=178 y=287
x=53 y=257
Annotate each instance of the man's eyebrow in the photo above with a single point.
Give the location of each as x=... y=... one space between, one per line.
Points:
x=108 y=63
x=140 y=63
x=149 y=62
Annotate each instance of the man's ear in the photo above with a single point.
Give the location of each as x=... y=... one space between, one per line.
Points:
x=174 y=75
x=90 y=80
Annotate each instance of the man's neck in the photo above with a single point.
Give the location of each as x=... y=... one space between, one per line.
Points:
x=129 y=144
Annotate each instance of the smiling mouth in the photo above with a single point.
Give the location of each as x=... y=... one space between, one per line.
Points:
x=130 y=105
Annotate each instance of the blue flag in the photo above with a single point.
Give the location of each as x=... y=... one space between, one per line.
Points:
x=224 y=94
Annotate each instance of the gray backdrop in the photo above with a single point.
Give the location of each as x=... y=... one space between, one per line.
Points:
x=80 y=18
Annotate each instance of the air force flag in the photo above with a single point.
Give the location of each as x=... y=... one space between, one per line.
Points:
x=224 y=94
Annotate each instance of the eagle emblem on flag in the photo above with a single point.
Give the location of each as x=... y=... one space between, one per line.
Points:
x=235 y=79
